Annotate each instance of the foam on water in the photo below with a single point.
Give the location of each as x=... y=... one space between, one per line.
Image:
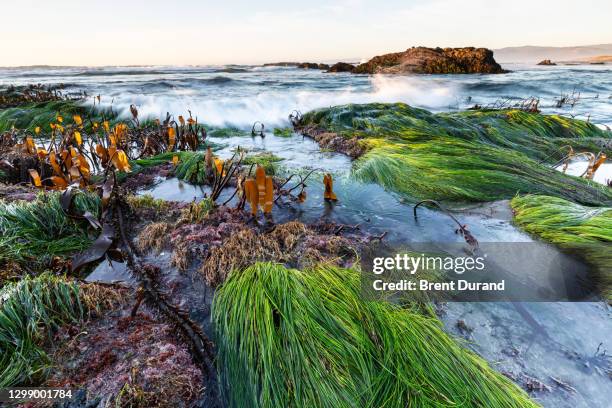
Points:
x=272 y=106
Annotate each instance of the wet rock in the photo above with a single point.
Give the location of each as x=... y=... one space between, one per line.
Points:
x=341 y=67
x=546 y=62
x=15 y=192
x=312 y=65
x=146 y=177
x=463 y=327
x=350 y=146
x=304 y=65
x=281 y=64
x=12 y=96
x=423 y=60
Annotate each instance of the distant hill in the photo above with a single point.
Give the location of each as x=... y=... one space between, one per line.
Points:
x=535 y=54
x=599 y=58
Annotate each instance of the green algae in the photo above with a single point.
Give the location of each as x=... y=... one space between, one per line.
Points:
x=32 y=233
x=29 y=311
x=289 y=338
x=267 y=160
x=465 y=156
x=227 y=132
x=147 y=201
x=585 y=231
x=283 y=132
x=28 y=117
x=192 y=168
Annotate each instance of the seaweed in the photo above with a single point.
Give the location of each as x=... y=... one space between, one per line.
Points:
x=41 y=114
x=269 y=161
x=586 y=231
x=283 y=132
x=470 y=156
x=30 y=310
x=33 y=233
x=307 y=338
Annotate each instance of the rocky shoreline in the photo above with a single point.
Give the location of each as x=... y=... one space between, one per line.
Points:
x=416 y=60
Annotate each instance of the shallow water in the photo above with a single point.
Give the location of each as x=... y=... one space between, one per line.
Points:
x=602 y=175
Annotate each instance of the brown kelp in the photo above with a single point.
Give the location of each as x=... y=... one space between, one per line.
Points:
x=73 y=148
x=586 y=231
x=307 y=338
x=480 y=155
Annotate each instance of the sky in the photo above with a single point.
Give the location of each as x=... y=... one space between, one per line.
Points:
x=199 y=32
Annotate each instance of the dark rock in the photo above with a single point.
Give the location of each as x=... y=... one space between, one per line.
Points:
x=312 y=65
x=423 y=60
x=341 y=67
x=281 y=64
x=546 y=62
x=305 y=65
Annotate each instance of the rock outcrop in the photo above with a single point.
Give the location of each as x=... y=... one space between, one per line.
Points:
x=423 y=60
x=313 y=65
x=305 y=65
x=546 y=62
x=341 y=67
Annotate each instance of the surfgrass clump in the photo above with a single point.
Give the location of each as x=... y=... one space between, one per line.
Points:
x=466 y=156
x=30 y=310
x=290 y=338
x=269 y=161
x=192 y=168
x=227 y=132
x=41 y=114
x=32 y=233
x=586 y=231
x=283 y=132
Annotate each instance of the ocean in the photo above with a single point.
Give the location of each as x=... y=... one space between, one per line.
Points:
x=239 y=95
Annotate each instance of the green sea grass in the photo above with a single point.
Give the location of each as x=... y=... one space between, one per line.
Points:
x=465 y=156
x=585 y=231
x=289 y=338
x=32 y=233
x=30 y=310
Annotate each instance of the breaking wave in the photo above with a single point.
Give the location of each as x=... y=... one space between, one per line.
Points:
x=273 y=107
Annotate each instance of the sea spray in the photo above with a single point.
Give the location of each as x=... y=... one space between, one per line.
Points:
x=271 y=106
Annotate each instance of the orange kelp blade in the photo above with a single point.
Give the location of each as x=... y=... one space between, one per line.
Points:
x=59 y=182
x=78 y=138
x=601 y=158
x=102 y=154
x=250 y=189
x=302 y=196
x=30 y=146
x=219 y=166
x=260 y=179
x=55 y=164
x=329 y=190
x=171 y=138
x=35 y=177
x=120 y=160
x=42 y=153
x=269 y=199
x=83 y=166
